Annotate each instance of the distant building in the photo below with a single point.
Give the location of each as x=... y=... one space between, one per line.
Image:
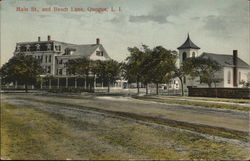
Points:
x=234 y=70
x=54 y=54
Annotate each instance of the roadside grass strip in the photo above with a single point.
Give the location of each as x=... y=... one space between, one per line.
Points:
x=245 y=101
x=28 y=132
x=205 y=129
x=194 y=103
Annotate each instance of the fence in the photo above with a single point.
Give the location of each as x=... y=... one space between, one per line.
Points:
x=220 y=92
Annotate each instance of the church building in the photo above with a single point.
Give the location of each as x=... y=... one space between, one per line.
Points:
x=234 y=70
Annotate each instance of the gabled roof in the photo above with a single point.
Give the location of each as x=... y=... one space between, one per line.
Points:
x=225 y=60
x=188 y=44
x=86 y=50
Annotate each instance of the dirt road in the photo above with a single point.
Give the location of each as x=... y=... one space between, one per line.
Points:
x=229 y=119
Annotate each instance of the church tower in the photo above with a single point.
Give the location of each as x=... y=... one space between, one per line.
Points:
x=187 y=49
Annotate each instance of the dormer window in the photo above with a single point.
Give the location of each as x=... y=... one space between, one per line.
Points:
x=18 y=47
x=69 y=51
x=38 y=47
x=28 y=47
x=49 y=46
x=58 y=47
x=99 y=53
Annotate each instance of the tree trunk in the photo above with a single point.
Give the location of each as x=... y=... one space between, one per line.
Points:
x=146 y=88
x=108 y=86
x=157 y=88
x=94 y=84
x=182 y=90
x=26 y=87
x=138 y=88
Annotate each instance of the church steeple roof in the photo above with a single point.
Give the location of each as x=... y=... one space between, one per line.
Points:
x=188 y=44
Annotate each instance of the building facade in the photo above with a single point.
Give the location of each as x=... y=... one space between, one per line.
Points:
x=55 y=54
x=233 y=71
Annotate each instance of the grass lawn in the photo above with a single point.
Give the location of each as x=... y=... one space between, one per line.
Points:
x=212 y=99
x=194 y=103
x=29 y=133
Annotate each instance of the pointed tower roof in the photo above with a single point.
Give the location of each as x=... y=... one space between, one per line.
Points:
x=188 y=44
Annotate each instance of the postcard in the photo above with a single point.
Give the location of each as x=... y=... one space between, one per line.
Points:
x=124 y=79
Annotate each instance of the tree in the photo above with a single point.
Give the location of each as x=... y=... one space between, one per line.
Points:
x=110 y=70
x=180 y=73
x=135 y=65
x=21 y=68
x=204 y=68
x=107 y=70
x=162 y=64
x=81 y=67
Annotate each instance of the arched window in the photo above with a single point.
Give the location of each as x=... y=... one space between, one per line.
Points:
x=193 y=54
x=229 y=77
x=184 y=56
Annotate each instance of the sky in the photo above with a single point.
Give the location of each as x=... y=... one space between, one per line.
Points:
x=216 y=26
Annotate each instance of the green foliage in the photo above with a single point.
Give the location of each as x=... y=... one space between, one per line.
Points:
x=204 y=68
x=81 y=66
x=21 y=68
x=149 y=65
x=245 y=84
x=108 y=70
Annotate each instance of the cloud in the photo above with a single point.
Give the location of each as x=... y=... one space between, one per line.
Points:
x=161 y=19
x=229 y=21
x=160 y=12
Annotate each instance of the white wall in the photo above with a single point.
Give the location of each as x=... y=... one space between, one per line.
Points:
x=243 y=74
x=93 y=56
x=226 y=83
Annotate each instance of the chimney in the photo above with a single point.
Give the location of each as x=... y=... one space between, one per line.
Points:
x=39 y=38
x=235 y=58
x=97 y=41
x=49 y=38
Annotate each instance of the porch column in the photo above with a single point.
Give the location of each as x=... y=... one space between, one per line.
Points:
x=58 y=81
x=41 y=85
x=49 y=83
x=75 y=82
x=95 y=82
x=67 y=82
x=85 y=83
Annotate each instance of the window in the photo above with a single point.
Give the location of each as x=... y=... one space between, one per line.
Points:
x=99 y=53
x=28 y=47
x=46 y=59
x=239 y=76
x=49 y=69
x=184 y=56
x=229 y=77
x=50 y=58
x=18 y=48
x=193 y=54
x=58 y=47
x=38 y=47
x=59 y=71
x=49 y=46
